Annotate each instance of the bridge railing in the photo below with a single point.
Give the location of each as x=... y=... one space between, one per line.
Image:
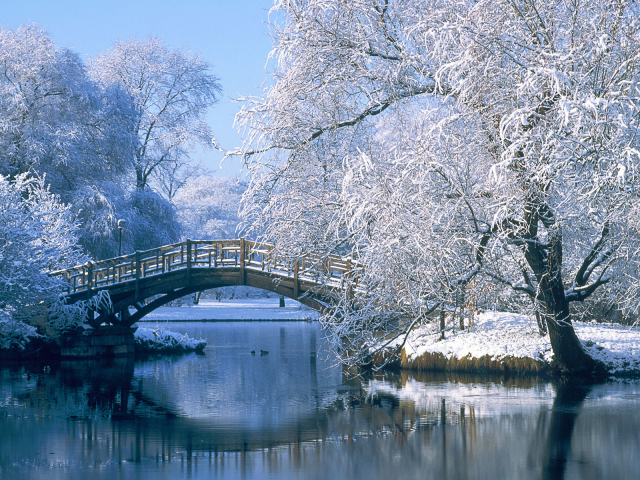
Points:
x=331 y=269
x=203 y=254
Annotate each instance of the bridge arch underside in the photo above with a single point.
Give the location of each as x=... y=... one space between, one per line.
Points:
x=172 y=285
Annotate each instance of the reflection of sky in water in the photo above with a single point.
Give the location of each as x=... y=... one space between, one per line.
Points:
x=290 y=414
x=232 y=385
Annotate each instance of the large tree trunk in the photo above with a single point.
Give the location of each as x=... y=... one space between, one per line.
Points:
x=546 y=263
x=569 y=354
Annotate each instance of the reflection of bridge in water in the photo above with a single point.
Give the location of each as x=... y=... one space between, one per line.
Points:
x=119 y=406
x=372 y=437
x=172 y=271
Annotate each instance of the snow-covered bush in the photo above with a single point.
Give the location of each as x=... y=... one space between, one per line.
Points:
x=160 y=340
x=37 y=235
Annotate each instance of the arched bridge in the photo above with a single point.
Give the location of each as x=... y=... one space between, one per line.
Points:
x=149 y=279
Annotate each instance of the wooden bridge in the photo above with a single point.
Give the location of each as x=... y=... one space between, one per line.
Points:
x=149 y=279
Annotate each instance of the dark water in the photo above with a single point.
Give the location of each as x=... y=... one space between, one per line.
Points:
x=293 y=413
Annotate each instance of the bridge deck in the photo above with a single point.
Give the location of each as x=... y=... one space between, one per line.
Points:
x=197 y=254
x=162 y=274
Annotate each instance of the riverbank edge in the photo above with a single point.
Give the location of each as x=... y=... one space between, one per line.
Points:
x=163 y=342
x=430 y=361
x=484 y=365
x=508 y=343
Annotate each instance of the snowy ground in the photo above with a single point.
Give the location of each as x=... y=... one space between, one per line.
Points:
x=237 y=309
x=500 y=335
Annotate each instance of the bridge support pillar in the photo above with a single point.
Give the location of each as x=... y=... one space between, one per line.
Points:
x=111 y=341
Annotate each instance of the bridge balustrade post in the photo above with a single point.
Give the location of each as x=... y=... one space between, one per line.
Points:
x=296 y=285
x=89 y=278
x=137 y=260
x=188 y=260
x=242 y=264
x=195 y=254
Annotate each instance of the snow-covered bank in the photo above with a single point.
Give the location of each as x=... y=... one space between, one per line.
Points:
x=237 y=309
x=160 y=340
x=502 y=342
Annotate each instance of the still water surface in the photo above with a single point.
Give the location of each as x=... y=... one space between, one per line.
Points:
x=293 y=413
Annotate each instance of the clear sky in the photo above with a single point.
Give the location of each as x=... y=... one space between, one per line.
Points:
x=230 y=34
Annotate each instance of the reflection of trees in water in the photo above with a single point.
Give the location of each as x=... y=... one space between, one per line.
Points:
x=447 y=439
x=566 y=406
x=106 y=383
x=359 y=435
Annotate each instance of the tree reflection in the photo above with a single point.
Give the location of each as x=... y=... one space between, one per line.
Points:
x=566 y=406
x=453 y=427
x=106 y=383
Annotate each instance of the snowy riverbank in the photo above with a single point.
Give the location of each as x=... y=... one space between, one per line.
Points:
x=505 y=342
x=263 y=309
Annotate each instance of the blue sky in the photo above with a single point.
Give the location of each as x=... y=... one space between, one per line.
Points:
x=231 y=34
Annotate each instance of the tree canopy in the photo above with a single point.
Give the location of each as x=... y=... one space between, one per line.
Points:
x=170 y=92
x=447 y=143
x=112 y=139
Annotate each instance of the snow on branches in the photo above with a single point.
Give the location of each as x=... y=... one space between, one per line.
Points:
x=37 y=235
x=447 y=143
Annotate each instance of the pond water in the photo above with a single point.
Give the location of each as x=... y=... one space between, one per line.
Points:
x=293 y=413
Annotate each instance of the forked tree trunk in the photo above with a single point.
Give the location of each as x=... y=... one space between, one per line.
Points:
x=546 y=263
x=569 y=354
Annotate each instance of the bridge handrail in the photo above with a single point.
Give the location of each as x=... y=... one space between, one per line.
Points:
x=204 y=254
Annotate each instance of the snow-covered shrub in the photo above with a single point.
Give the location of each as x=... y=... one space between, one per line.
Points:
x=37 y=235
x=165 y=341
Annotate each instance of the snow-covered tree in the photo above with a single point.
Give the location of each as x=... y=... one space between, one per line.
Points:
x=150 y=219
x=208 y=207
x=171 y=91
x=53 y=119
x=444 y=142
x=37 y=235
x=79 y=134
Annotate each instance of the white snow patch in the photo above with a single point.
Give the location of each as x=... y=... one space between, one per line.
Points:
x=161 y=340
